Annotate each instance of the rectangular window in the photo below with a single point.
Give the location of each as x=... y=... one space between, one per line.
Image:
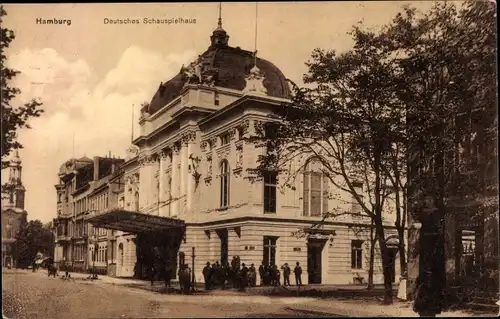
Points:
x=269 y=257
x=316 y=194
x=306 y=193
x=270 y=192
x=326 y=195
x=224 y=139
x=356 y=254
x=241 y=133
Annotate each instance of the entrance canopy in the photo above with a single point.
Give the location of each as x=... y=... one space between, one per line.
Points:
x=134 y=222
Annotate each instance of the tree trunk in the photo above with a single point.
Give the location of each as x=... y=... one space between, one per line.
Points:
x=373 y=240
x=388 y=296
x=402 y=251
x=400 y=218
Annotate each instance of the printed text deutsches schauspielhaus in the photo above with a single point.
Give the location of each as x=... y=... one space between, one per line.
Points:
x=150 y=21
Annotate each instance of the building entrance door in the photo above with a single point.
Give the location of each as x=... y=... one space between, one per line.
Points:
x=314 y=261
x=224 y=246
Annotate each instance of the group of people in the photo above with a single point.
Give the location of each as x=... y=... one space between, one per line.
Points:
x=238 y=275
x=166 y=272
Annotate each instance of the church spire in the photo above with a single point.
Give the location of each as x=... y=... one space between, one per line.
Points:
x=15 y=169
x=219 y=23
x=219 y=37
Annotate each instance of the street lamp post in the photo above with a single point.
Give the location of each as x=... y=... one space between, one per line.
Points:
x=96 y=247
x=192 y=272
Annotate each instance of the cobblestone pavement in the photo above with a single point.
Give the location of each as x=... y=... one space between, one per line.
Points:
x=34 y=295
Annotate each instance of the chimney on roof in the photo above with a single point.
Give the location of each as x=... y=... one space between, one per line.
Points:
x=96 y=168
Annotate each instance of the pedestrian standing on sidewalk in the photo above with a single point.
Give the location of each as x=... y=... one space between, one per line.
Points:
x=206 y=275
x=244 y=276
x=262 y=271
x=152 y=274
x=298 y=274
x=252 y=275
x=286 y=274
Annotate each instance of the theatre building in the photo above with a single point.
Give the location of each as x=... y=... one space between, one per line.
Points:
x=185 y=182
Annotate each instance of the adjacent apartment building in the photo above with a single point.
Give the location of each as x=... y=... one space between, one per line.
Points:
x=186 y=186
x=83 y=187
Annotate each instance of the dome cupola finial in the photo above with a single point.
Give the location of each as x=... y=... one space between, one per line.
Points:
x=255 y=79
x=219 y=36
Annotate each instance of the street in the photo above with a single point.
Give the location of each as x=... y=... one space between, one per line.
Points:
x=34 y=295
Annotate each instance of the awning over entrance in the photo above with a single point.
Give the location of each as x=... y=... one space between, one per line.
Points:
x=134 y=222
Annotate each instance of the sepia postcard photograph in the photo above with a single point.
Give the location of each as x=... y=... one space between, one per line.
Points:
x=249 y=159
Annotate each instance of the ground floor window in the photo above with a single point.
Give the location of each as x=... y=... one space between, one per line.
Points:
x=356 y=254
x=269 y=257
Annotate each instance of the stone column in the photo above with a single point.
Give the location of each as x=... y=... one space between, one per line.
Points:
x=189 y=139
x=153 y=182
x=163 y=191
x=175 y=181
x=145 y=184
x=159 y=194
x=183 y=175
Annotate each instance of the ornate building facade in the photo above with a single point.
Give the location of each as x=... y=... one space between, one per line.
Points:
x=13 y=213
x=186 y=186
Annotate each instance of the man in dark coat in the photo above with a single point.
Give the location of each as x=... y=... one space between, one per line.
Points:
x=262 y=271
x=184 y=279
x=152 y=273
x=298 y=274
x=244 y=276
x=286 y=274
x=206 y=275
x=252 y=275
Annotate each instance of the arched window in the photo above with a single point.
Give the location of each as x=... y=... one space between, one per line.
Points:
x=315 y=189
x=224 y=184
x=137 y=201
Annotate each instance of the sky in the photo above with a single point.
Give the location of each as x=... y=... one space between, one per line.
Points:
x=92 y=76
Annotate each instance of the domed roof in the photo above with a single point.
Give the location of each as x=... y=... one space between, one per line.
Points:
x=230 y=66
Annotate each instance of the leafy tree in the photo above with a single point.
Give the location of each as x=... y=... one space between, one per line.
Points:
x=34 y=237
x=446 y=68
x=13 y=118
x=386 y=113
x=343 y=121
